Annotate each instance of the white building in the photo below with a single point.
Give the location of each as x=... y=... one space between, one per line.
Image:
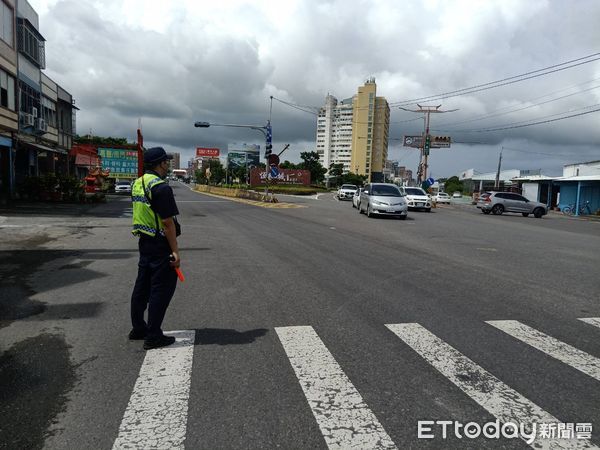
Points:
x=334 y=133
x=581 y=169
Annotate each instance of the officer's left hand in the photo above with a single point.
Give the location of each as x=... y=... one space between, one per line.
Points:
x=175 y=261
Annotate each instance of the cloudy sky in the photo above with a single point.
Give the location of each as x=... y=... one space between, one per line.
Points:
x=171 y=63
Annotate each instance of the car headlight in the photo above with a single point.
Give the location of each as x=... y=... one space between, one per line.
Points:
x=375 y=202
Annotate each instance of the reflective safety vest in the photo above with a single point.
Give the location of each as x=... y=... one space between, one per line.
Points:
x=145 y=220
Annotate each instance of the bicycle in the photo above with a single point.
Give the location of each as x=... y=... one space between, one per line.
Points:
x=584 y=208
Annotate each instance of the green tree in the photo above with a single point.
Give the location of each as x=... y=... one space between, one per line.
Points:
x=336 y=171
x=240 y=173
x=354 y=178
x=288 y=165
x=99 y=140
x=217 y=171
x=310 y=162
x=200 y=177
x=453 y=184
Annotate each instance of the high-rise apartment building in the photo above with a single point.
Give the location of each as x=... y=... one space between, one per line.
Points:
x=176 y=161
x=354 y=132
x=334 y=133
x=370 y=129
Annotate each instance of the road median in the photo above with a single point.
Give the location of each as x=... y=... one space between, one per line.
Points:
x=245 y=196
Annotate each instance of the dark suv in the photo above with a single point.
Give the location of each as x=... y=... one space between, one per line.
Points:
x=500 y=202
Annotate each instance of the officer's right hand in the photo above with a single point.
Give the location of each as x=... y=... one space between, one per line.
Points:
x=175 y=261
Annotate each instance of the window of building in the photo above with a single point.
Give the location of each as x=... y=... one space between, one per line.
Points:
x=6 y=23
x=7 y=90
x=30 y=98
x=49 y=111
x=31 y=44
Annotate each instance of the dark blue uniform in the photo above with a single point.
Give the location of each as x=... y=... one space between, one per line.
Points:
x=156 y=279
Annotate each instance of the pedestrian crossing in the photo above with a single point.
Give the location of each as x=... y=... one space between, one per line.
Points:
x=156 y=416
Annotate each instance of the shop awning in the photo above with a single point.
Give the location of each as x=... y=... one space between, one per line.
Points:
x=43 y=148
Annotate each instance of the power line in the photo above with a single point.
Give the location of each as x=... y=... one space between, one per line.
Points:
x=537 y=153
x=531 y=124
x=505 y=81
x=489 y=116
x=298 y=107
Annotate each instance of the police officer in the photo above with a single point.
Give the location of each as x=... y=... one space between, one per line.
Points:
x=155 y=223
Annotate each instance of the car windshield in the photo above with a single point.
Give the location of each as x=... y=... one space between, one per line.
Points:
x=349 y=187
x=122 y=183
x=414 y=191
x=386 y=191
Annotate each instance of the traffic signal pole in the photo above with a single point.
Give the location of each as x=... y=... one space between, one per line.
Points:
x=426 y=141
x=426 y=148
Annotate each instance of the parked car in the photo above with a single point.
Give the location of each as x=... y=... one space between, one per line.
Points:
x=346 y=192
x=501 y=202
x=356 y=198
x=417 y=198
x=384 y=199
x=123 y=187
x=441 y=197
x=457 y=194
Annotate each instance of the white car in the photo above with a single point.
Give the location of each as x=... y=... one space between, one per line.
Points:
x=442 y=197
x=123 y=187
x=457 y=194
x=356 y=198
x=417 y=198
x=346 y=192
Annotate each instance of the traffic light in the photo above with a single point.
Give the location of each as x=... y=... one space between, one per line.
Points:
x=268 y=150
x=427 y=144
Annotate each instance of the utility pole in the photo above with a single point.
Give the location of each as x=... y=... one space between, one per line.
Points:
x=426 y=141
x=497 y=183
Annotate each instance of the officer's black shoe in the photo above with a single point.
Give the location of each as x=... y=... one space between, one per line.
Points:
x=137 y=335
x=161 y=341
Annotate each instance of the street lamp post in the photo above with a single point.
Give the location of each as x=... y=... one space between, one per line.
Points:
x=265 y=130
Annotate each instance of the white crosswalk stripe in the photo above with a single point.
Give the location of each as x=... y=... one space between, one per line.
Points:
x=580 y=360
x=157 y=412
x=156 y=416
x=500 y=400
x=343 y=417
x=595 y=321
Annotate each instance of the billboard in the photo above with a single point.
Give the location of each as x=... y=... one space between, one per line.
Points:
x=207 y=151
x=413 y=141
x=121 y=162
x=236 y=160
x=286 y=176
x=436 y=141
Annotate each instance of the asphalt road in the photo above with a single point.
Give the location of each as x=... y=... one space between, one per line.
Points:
x=312 y=327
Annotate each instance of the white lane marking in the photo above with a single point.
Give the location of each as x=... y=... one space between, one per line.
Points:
x=343 y=417
x=595 y=321
x=580 y=360
x=156 y=416
x=506 y=404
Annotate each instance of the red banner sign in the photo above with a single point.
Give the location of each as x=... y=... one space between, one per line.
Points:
x=286 y=176
x=204 y=151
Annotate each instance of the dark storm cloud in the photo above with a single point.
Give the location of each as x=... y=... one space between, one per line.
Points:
x=196 y=70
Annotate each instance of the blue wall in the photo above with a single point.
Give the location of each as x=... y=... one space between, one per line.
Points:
x=590 y=191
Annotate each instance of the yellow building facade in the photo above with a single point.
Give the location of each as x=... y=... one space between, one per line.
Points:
x=370 y=132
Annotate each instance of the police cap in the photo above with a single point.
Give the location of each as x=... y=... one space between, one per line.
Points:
x=155 y=155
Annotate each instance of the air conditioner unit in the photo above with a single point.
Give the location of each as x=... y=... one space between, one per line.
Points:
x=34 y=112
x=42 y=125
x=27 y=120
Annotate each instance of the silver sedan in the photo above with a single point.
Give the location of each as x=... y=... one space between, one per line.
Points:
x=383 y=199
